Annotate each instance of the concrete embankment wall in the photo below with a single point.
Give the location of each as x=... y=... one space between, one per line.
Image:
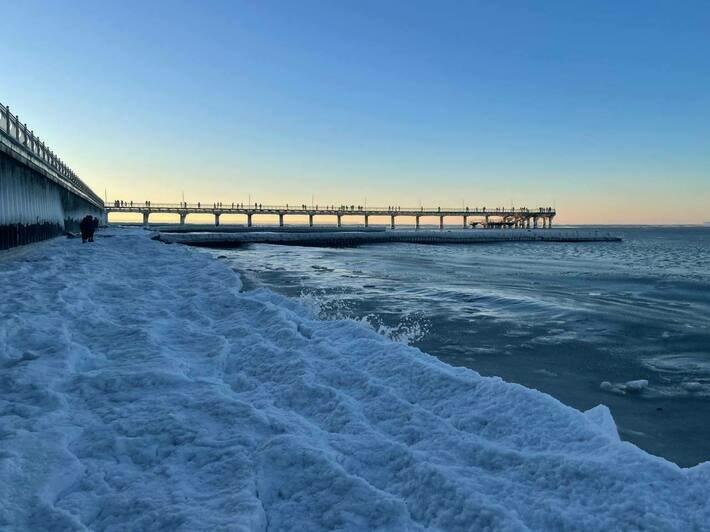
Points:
x=33 y=208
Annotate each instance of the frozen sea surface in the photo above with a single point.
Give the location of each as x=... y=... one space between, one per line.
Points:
x=140 y=389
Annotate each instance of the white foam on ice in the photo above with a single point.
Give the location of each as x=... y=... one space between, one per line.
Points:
x=140 y=389
x=410 y=327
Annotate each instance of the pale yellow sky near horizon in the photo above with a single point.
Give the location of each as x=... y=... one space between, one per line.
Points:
x=600 y=194
x=582 y=198
x=588 y=206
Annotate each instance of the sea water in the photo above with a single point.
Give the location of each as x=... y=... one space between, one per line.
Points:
x=624 y=324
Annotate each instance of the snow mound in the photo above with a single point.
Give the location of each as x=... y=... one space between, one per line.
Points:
x=141 y=390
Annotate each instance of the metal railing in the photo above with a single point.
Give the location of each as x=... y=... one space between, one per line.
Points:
x=118 y=205
x=25 y=141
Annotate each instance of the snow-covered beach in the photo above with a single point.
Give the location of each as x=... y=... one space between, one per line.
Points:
x=142 y=390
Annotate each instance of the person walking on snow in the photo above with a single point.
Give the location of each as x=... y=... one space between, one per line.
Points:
x=85 y=227
x=94 y=226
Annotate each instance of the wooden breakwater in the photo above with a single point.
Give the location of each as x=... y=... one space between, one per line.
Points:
x=345 y=238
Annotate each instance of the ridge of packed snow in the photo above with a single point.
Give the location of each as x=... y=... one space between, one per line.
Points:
x=142 y=390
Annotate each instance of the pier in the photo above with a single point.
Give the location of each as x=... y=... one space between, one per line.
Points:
x=487 y=218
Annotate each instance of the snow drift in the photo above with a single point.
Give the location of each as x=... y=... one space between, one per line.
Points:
x=140 y=389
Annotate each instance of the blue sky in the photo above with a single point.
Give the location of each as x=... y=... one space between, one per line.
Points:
x=601 y=108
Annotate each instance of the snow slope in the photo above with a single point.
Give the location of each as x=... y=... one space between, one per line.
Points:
x=140 y=390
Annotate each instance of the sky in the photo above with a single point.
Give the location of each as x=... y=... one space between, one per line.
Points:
x=601 y=109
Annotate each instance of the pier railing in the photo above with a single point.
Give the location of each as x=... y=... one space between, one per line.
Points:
x=24 y=141
x=119 y=205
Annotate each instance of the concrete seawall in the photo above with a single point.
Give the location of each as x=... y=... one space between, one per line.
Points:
x=34 y=208
x=40 y=196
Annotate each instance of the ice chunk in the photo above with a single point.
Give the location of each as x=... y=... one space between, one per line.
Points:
x=616 y=388
x=636 y=386
x=601 y=416
x=622 y=388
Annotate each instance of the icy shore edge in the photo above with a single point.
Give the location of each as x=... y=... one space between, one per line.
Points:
x=141 y=389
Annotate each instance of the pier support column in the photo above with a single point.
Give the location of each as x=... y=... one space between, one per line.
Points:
x=486 y=222
x=216 y=218
x=535 y=222
x=145 y=218
x=340 y=221
x=281 y=219
x=310 y=220
x=183 y=215
x=465 y=222
x=367 y=220
x=441 y=222
x=392 y=221
x=549 y=222
x=416 y=218
x=248 y=219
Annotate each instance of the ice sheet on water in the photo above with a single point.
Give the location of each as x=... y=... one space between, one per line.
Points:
x=142 y=390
